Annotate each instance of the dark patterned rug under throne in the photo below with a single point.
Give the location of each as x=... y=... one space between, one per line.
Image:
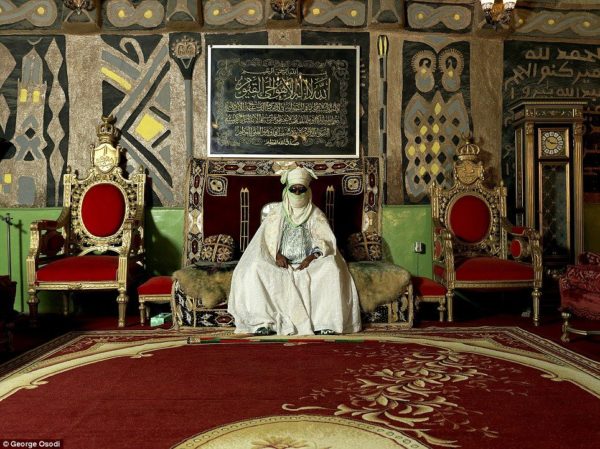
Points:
x=227 y=196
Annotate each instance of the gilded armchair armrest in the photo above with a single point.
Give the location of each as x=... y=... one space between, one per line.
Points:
x=524 y=245
x=522 y=240
x=47 y=238
x=132 y=246
x=443 y=250
x=46 y=242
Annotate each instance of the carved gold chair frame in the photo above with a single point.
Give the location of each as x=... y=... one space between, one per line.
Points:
x=469 y=180
x=69 y=236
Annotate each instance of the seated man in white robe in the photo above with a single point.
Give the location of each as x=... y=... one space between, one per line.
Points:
x=291 y=280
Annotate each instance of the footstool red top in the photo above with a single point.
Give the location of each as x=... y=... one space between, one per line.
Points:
x=157 y=285
x=426 y=287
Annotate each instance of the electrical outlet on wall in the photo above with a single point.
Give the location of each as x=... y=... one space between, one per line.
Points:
x=419 y=248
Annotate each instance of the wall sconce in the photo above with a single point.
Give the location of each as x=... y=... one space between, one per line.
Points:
x=498 y=12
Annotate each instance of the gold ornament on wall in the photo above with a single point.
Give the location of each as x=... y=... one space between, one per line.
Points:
x=78 y=6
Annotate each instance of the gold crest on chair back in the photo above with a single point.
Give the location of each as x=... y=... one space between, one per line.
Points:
x=475 y=247
x=97 y=242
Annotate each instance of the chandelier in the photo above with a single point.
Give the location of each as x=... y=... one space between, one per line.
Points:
x=497 y=12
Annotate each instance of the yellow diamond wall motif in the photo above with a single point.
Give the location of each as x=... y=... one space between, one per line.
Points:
x=432 y=129
x=149 y=128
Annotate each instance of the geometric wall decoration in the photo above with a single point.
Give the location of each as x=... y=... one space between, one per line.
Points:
x=34 y=113
x=556 y=23
x=79 y=11
x=136 y=90
x=182 y=11
x=435 y=114
x=28 y=14
x=387 y=11
x=125 y=14
x=244 y=13
x=185 y=49
x=438 y=18
x=328 y=13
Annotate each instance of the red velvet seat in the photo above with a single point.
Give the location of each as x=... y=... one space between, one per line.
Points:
x=80 y=269
x=427 y=290
x=479 y=269
x=156 y=289
x=157 y=285
x=97 y=241
x=580 y=293
x=472 y=237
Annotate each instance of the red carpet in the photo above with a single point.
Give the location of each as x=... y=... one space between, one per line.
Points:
x=470 y=387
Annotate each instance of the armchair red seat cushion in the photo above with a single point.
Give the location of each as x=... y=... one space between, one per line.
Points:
x=490 y=269
x=426 y=287
x=156 y=286
x=80 y=269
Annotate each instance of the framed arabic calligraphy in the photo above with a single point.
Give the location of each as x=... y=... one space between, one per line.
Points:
x=283 y=101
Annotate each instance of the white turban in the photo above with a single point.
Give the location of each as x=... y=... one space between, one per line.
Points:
x=297 y=207
x=299 y=175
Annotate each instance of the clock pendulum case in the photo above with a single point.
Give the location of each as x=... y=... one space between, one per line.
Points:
x=549 y=176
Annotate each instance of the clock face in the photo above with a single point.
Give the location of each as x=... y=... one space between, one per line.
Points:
x=553 y=142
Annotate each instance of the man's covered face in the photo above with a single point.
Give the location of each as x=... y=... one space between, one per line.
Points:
x=299 y=196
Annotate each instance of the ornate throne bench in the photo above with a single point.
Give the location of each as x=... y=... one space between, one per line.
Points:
x=224 y=203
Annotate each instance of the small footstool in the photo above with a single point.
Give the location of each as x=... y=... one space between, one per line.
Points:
x=156 y=289
x=427 y=290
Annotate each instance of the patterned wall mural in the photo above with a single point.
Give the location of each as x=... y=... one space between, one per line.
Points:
x=29 y=14
x=445 y=17
x=34 y=112
x=136 y=90
x=540 y=70
x=63 y=63
x=435 y=114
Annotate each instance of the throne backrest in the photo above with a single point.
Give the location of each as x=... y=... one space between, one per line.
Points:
x=226 y=196
x=102 y=202
x=473 y=212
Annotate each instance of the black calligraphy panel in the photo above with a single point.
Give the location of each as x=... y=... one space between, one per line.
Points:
x=285 y=101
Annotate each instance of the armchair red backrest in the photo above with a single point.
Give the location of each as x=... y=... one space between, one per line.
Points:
x=469 y=218
x=103 y=209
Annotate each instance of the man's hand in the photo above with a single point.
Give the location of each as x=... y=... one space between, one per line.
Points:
x=281 y=261
x=306 y=262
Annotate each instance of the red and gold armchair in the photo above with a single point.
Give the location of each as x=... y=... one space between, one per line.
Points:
x=475 y=247
x=580 y=293
x=97 y=241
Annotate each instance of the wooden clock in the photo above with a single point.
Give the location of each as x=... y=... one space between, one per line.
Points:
x=549 y=176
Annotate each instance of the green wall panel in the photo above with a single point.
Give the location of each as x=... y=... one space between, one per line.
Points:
x=402 y=227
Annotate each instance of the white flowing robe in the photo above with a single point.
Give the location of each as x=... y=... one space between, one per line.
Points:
x=293 y=302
